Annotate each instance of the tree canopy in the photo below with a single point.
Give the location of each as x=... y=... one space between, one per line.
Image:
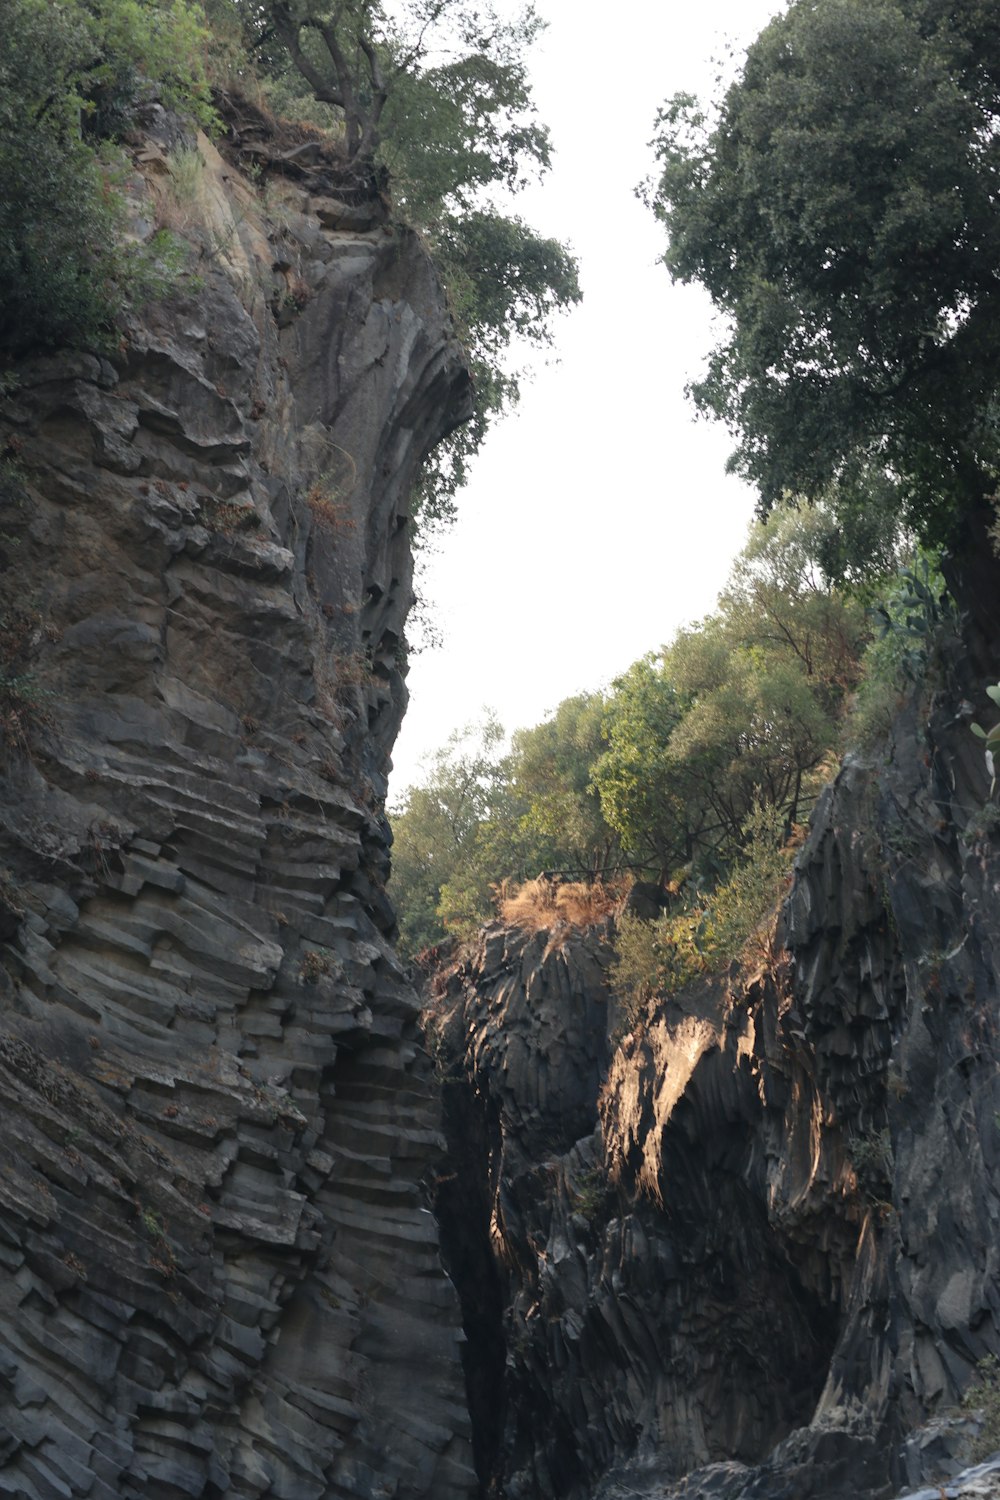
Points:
x=665 y=773
x=436 y=92
x=739 y=710
x=839 y=204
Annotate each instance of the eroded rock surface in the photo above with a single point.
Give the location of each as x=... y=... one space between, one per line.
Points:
x=220 y=1272
x=757 y=1255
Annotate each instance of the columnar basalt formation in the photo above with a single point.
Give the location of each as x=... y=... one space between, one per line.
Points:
x=746 y=1250
x=749 y=1248
x=221 y=1272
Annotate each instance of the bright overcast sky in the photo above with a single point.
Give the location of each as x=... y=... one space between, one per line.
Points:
x=598 y=517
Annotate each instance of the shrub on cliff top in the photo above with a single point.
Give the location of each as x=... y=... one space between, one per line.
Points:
x=68 y=75
x=542 y=904
x=712 y=929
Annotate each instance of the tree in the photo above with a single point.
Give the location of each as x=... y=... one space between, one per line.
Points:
x=481 y=817
x=840 y=207
x=739 y=710
x=551 y=767
x=435 y=830
x=435 y=93
x=729 y=723
x=637 y=778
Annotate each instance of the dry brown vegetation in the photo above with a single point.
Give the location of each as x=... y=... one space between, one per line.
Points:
x=543 y=903
x=329 y=515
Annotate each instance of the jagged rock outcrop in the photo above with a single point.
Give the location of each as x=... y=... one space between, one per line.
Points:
x=760 y=1255
x=220 y=1272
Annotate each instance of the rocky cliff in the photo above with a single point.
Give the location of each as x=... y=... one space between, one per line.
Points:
x=745 y=1249
x=220 y=1272
x=750 y=1247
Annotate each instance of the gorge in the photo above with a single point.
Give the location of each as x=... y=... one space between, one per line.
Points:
x=274 y=1221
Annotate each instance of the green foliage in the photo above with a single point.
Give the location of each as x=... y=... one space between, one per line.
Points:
x=504 y=284
x=710 y=930
x=65 y=272
x=436 y=92
x=550 y=768
x=481 y=816
x=19 y=710
x=984 y=1395
x=152 y=1223
x=872 y=1158
x=138 y=41
x=671 y=772
x=740 y=709
x=641 y=795
x=839 y=206
x=910 y=618
x=591 y=1191
x=439 y=882
x=639 y=967
x=991 y=737
x=463 y=122
x=737 y=915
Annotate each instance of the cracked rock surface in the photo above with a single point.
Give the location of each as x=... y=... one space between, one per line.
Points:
x=220 y=1274
x=749 y=1249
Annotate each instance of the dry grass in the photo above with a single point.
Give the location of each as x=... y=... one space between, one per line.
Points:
x=541 y=904
x=330 y=515
x=181 y=190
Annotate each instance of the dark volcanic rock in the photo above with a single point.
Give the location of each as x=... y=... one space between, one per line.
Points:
x=221 y=1273
x=760 y=1255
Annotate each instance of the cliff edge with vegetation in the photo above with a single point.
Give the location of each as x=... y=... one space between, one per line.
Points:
x=741 y=1242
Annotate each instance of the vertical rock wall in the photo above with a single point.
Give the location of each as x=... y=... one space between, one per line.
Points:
x=754 y=1255
x=220 y=1274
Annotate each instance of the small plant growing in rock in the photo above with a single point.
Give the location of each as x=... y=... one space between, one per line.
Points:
x=228 y=517
x=983 y=1395
x=181 y=179
x=990 y=736
x=20 y=710
x=590 y=1191
x=313 y=966
x=984 y=825
x=151 y=1223
x=351 y=669
x=872 y=1157
x=328 y=504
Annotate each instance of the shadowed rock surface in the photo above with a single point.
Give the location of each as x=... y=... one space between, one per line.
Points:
x=220 y=1272
x=751 y=1248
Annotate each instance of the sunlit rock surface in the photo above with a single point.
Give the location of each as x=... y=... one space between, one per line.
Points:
x=750 y=1249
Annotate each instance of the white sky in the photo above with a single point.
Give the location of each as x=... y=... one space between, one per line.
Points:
x=598 y=517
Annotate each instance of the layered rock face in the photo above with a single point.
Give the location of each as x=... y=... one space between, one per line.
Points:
x=750 y=1248
x=220 y=1272
x=746 y=1250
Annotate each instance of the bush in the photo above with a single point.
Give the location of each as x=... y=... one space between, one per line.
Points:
x=541 y=904
x=984 y=1395
x=733 y=923
x=911 y=619
x=65 y=275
